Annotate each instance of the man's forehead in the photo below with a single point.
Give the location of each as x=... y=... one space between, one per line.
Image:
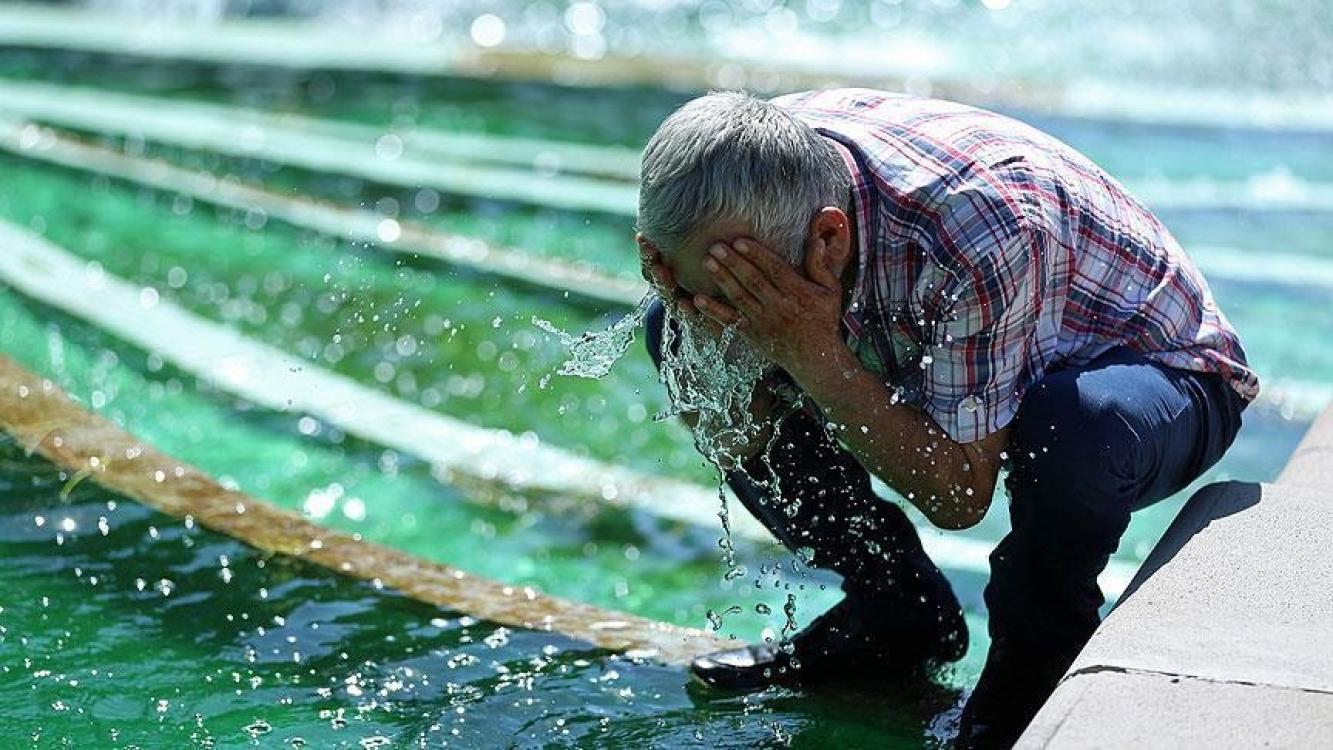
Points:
x=709 y=235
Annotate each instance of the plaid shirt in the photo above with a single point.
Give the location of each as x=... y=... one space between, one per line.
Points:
x=991 y=253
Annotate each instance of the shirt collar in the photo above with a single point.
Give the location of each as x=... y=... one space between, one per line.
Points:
x=855 y=312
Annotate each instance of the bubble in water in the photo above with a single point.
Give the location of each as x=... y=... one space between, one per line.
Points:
x=258 y=727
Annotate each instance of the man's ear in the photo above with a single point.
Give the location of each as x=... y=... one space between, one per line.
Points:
x=831 y=230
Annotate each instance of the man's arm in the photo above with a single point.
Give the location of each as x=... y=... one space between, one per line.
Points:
x=951 y=483
x=794 y=319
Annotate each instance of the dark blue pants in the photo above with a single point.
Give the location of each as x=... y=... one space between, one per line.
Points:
x=1088 y=446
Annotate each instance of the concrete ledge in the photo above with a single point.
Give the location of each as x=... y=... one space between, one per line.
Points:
x=1145 y=710
x=1311 y=465
x=1231 y=593
x=1223 y=639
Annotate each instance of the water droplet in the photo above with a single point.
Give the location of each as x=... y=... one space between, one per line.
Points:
x=258 y=728
x=789 y=609
x=714 y=619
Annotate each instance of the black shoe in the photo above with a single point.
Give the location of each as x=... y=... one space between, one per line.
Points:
x=1013 y=686
x=853 y=640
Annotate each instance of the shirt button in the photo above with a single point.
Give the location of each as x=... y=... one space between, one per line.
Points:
x=970 y=404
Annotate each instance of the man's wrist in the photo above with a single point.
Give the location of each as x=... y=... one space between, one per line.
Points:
x=828 y=374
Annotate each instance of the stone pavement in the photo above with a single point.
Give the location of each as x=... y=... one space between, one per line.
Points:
x=1225 y=637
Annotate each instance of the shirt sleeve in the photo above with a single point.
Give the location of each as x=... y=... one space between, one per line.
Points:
x=981 y=318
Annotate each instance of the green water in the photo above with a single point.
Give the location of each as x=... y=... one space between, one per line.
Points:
x=149 y=633
x=459 y=343
x=211 y=620
x=462 y=343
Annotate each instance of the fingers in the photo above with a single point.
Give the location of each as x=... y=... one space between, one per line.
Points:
x=769 y=264
x=654 y=271
x=740 y=298
x=744 y=282
x=717 y=312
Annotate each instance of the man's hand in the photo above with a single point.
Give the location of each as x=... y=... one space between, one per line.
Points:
x=659 y=276
x=792 y=319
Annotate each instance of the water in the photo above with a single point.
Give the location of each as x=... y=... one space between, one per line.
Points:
x=592 y=354
x=710 y=383
x=283 y=652
x=710 y=378
x=322 y=658
x=201 y=651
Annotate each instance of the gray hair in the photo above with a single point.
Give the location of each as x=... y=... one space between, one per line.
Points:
x=728 y=156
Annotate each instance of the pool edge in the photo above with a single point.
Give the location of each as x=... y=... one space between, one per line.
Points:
x=1225 y=638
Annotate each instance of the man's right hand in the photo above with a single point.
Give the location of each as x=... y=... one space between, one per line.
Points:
x=658 y=274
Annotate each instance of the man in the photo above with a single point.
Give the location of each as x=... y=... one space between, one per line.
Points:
x=942 y=291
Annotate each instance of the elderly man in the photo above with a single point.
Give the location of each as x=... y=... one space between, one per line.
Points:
x=941 y=292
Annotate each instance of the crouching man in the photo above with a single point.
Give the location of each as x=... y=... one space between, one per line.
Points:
x=938 y=292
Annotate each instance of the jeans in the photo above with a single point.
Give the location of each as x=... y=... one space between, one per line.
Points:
x=1088 y=446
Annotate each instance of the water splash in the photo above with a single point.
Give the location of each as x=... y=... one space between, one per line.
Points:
x=711 y=378
x=728 y=549
x=592 y=354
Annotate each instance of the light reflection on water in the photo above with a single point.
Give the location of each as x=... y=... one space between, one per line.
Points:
x=1192 y=43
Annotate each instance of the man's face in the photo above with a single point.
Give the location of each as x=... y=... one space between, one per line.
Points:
x=686 y=262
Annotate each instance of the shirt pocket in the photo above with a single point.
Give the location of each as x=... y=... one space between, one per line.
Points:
x=891 y=348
